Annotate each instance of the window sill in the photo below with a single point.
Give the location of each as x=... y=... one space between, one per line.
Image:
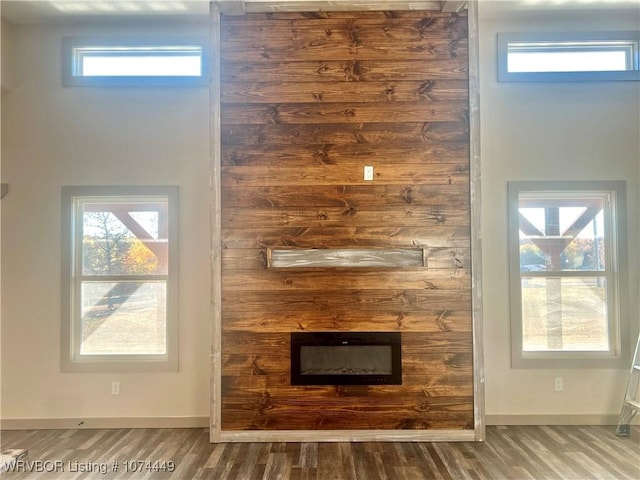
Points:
x=125 y=366
x=570 y=360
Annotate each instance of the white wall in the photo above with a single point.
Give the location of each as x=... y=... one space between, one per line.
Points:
x=54 y=136
x=554 y=131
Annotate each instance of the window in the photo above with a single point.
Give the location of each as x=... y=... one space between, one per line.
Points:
x=120 y=272
x=568 y=57
x=107 y=62
x=568 y=258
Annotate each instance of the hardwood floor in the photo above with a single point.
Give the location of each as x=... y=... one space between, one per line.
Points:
x=513 y=452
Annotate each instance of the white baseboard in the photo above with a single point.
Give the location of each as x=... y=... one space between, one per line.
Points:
x=102 y=422
x=533 y=419
x=203 y=422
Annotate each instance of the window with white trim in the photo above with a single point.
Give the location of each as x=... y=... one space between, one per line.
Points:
x=129 y=62
x=567 y=265
x=120 y=278
x=578 y=56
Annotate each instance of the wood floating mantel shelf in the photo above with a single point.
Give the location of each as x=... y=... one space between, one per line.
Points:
x=346 y=257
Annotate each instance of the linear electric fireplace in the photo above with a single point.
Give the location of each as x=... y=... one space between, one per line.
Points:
x=341 y=358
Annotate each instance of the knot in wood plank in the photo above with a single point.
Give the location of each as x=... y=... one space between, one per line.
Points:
x=274 y=113
x=255 y=369
x=428 y=48
x=424 y=25
x=354 y=71
x=455 y=360
x=350 y=211
x=390 y=92
x=323 y=68
x=354 y=34
x=265 y=403
x=425 y=91
x=453 y=49
x=318 y=42
x=437 y=217
x=457 y=28
x=422 y=407
x=322 y=154
x=441 y=323
x=407 y=195
x=359 y=137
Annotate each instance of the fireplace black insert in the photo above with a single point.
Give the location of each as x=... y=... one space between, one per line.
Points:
x=346 y=358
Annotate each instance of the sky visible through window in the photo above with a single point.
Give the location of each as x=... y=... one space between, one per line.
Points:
x=568 y=215
x=148 y=221
x=576 y=61
x=142 y=66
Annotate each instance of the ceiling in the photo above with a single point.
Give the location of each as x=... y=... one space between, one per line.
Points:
x=53 y=11
x=523 y=8
x=56 y=11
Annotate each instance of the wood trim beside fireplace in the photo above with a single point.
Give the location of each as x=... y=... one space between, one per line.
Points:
x=215 y=213
x=476 y=227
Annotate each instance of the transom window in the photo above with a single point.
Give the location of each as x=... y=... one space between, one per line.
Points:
x=568 y=57
x=566 y=251
x=138 y=61
x=109 y=61
x=120 y=276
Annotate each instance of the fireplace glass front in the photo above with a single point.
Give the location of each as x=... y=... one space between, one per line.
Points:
x=339 y=358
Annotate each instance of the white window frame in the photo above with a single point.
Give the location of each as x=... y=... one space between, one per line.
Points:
x=72 y=278
x=627 y=42
x=616 y=275
x=75 y=48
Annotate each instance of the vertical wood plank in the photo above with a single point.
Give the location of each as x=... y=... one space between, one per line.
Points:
x=476 y=230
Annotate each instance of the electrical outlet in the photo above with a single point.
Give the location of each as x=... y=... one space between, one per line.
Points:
x=115 y=388
x=368 y=172
x=558 y=384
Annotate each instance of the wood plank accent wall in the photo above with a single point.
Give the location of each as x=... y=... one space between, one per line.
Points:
x=308 y=99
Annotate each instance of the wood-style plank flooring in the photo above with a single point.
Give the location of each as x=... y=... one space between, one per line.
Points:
x=511 y=452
